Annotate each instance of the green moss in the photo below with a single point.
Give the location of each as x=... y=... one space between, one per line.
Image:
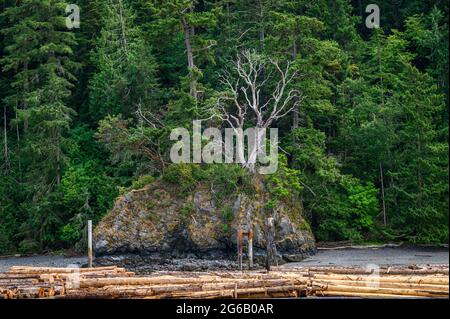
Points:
x=152 y=216
x=228 y=179
x=227 y=214
x=150 y=205
x=304 y=225
x=142 y=181
x=122 y=190
x=271 y=204
x=187 y=211
x=182 y=176
x=225 y=179
x=166 y=203
x=225 y=228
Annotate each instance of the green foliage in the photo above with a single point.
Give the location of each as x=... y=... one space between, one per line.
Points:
x=227 y=214
x=28 y=246
x=339 y=207
x=86 y=112
x=181 y=176
x=71 y=233
x=87 y=193
x=225 y=179
x=349 y=212
x=286 y=182
x=142 y=181
x=187 y=211
x=38 y=60
x=227 y=217
x=131 y=149
x=126 y=77
x=400 y=112
x=229 y=179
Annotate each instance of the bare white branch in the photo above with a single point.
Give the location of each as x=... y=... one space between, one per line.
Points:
x=245 y=83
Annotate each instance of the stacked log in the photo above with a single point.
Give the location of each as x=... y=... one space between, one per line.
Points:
x=386 y=270
x=387 y=282
x=194 y=285
x=23 y=282
x=115 y=282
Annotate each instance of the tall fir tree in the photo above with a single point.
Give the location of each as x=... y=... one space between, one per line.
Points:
x=125 y=82
x=395 y=107
x=38 y=59
x=184 y=23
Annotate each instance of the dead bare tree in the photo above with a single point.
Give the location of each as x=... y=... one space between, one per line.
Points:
x=248 y=96
x=245 y=83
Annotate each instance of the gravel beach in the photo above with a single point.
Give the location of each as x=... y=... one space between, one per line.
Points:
x=41 y=261
x=377 y=256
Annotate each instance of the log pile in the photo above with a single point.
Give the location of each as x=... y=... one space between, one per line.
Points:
x=22 y=282
x=115 y=282
x=194 y=285
x=386 y=282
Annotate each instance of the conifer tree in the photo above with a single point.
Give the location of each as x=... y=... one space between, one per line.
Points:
x=185 y=20
x=395 y=111
x=38 y=59
x=126 y=79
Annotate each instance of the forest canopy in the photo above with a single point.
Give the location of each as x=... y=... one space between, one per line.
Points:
x=86 y=112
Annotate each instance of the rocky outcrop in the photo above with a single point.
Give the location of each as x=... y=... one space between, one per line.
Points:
x=159 y=222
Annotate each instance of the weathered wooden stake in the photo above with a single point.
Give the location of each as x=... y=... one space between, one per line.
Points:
x=239 y=240
x=250 y=247
x=90 y=243
x=270 y=238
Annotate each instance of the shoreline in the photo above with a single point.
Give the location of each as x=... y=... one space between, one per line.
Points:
x=329 y=257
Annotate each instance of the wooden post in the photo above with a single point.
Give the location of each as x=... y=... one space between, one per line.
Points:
x=90 y=243
x=270 y=238
x=239 y=244
x=250 y=247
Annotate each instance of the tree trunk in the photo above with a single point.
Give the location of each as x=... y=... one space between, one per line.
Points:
x=419 y=173
x=296 y=115
x=262 y=34
x=58 y=158
x=259 y=149
x=382 y=194
x=189 y=32
x=122 y=25
x=270 y=241
x=5 y=133
x=26 y=89
x=18 y=145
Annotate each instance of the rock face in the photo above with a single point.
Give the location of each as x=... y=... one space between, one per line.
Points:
x=158 y=222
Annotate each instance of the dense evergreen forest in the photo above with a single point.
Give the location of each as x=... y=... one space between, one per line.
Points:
x=86 y=113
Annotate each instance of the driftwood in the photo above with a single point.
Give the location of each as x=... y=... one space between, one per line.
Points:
x=351 y=246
